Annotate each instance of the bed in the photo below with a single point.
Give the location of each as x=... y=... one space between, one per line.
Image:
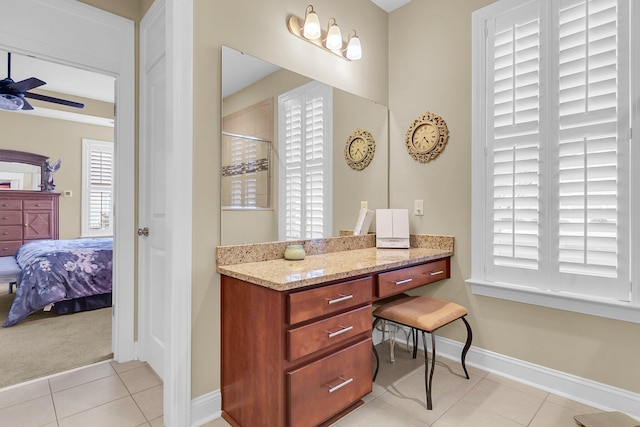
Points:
x=66 y=275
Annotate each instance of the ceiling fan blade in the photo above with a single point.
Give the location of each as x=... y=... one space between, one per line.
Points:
x=54 y=100
x=26 y=84
x=26 y=105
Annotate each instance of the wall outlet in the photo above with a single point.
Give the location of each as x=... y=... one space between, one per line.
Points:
x=364 y=204
x=67 y=193
x=418 y=209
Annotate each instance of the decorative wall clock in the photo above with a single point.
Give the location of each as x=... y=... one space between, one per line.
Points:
x=426 y=137
x=359 y=149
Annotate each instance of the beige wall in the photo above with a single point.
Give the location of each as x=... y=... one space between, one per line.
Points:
x=430 y=70
x=261 y=33
x=57 y=139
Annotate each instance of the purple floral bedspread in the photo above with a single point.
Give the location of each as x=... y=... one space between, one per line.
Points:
x=56 y=270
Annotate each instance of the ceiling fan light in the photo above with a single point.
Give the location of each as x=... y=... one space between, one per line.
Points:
x=354 y=48
x=10 y=102
x=311 y=29
x=334 y=36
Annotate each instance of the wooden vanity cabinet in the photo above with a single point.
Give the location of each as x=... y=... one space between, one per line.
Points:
x=294 y=358
x=26 y=216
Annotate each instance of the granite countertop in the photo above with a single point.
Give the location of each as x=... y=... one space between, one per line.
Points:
x=284 y=275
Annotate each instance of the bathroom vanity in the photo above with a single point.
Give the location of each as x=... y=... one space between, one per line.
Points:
x=296 y=335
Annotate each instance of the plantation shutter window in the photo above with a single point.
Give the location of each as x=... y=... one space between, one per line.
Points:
x=515 y=136
x=97 y=194
x=305 y=167
x=555 y=174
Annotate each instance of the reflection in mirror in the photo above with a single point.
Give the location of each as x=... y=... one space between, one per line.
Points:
x=18 y=176
x=252 y=168
x=20 y=170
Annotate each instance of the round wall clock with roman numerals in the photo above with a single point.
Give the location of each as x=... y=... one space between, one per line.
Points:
x=426 y=137
x=359 y=149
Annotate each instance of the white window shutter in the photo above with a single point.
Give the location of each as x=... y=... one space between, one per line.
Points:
x=305 y=152
x=97 y=197
x=556 y=143
x=513 y=141
x=592 y=136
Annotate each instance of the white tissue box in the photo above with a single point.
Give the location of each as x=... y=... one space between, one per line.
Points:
x=392 y=228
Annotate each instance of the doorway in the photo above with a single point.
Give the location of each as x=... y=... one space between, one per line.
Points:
x=26 y=33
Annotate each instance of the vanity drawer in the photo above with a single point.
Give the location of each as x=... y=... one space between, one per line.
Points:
x=321 y=389
x=334 y=330
x=10 y=232
x=9 y=248
x=306 y=305
x=11 y=204
x=398 y=281
x=10 y=218
x=38 y=205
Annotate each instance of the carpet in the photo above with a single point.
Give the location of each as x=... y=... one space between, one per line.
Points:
x=46 y=343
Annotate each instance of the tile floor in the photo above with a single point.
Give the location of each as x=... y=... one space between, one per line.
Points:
x=130 y=394
x=107 y=394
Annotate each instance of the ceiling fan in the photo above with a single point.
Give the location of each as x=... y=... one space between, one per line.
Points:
x=13 y=94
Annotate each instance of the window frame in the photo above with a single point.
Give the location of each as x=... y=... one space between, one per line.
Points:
x=88 y=145
x=626 y=311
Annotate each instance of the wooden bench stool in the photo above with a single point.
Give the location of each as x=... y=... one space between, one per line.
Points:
x=426 y=314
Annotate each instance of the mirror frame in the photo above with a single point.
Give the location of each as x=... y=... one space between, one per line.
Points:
x=26 y=158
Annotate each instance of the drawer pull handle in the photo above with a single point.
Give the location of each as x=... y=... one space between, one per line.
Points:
x=342 y=298
x=402 y=282
x=341 y=331
x=4 y=233
x=4 y=218
x=435 y=273
x=339 y=386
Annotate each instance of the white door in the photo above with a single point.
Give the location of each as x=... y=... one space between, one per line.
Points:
x=152 y=215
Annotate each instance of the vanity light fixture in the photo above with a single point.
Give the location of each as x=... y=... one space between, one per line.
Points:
x=329 y=40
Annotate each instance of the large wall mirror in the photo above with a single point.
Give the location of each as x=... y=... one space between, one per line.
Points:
x=252 y=191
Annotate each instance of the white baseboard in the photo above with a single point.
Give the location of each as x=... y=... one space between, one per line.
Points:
x=588 y=392
x=206 y=408
x=598 y=395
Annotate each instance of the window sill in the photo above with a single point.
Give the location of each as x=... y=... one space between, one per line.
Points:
x=603 y=308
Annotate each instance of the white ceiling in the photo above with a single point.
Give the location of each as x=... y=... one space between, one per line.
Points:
x=390 y=5
x=59 y=78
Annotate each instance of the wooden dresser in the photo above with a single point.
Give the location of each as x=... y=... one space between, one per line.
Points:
x=301 y=356
x=26 y=216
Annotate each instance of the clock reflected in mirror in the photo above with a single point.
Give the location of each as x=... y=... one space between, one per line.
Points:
x=426 y=137
x=359 y=149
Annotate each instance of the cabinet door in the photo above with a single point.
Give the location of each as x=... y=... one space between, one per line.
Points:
x=38 y=225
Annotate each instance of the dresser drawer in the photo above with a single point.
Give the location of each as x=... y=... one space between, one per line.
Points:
x=398 y=281
x=334 y=330
x=10 y=218
x=9 y=248
x=306 y=305
x=11 y=204
x=321 y=389
x=10 y=232
x=38 y=205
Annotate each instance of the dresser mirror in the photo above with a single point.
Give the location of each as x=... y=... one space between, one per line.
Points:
x=246 y=96
x=20 y=170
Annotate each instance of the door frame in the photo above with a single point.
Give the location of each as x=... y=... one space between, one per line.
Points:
x=178 y=194
x=52 y=34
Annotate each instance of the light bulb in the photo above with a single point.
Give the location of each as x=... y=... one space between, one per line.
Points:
x=334 y=36
x=311 y=24
x=354 y=48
